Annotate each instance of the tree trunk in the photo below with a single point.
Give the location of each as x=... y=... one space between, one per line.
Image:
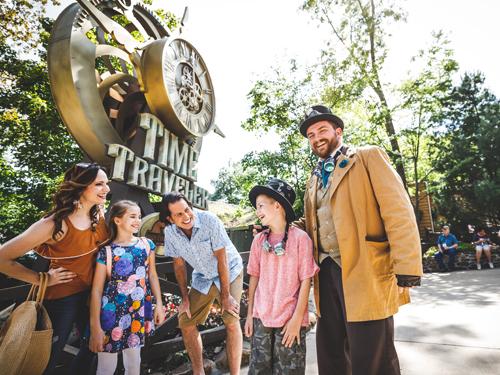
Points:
x=391 y=133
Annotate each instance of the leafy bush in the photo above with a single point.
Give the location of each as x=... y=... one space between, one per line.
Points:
x=462 y=247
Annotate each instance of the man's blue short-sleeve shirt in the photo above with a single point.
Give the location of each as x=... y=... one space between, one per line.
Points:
x=449 y=240
x=208 y=236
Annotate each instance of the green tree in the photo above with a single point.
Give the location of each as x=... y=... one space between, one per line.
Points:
x=468 y=159
x=20 y=20
x=354 y=58
x=233 y=184
x=421 y=103
x=278 y=105
x=35 y=146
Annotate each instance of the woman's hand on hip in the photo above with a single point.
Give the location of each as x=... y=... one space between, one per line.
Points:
x=60 y=275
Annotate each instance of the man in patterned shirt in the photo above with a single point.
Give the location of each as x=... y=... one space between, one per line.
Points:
x=199 y=238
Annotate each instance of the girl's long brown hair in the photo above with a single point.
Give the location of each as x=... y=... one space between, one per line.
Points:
x=76 y=180
x=118 y=210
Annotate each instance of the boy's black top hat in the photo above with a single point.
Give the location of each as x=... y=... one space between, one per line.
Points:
x=279 y=190
x=319 y=113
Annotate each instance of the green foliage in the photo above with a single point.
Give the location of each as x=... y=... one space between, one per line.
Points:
x=35 y=146
x=448 y=135
x=468 y=159
x=20 y=20
x=421 y=98
x=277 y=106
x=462 y=247
x=353 y=61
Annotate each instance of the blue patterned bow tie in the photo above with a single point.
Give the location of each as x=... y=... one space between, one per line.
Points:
x=326 y=167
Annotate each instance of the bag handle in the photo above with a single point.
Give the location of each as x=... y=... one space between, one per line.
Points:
x=37 y=292
x=44 y=282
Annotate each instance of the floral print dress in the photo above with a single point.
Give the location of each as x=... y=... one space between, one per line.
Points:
x=126 y=306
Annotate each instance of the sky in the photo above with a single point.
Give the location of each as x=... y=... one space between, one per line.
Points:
x=241 y=41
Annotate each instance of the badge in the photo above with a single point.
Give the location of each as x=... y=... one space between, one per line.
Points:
x=343 y=163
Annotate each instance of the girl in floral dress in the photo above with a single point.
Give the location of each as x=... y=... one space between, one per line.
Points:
x=125 y=283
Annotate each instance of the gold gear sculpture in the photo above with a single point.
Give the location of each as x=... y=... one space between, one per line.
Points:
x=111 y=60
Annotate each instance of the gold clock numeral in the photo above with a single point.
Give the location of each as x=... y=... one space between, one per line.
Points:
x=188 y=121
x=171 y=82
x=196 y=125
x=169 y=66
x=179 y=108
x=209 y=108
x=184 y=50
x=174 y=51
x=195 y=60
x=206 y=119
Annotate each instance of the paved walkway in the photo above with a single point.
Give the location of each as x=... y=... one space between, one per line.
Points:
x=451 y=328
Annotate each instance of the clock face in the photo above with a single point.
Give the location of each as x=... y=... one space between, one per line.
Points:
x=178 y=87
x=188 y=86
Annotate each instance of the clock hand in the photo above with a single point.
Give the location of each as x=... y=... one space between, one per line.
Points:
x=119 y=33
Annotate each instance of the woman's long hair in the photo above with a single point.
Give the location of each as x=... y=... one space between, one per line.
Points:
x=118 y=210
x=67 y=196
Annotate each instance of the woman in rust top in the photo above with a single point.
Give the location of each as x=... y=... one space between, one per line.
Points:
x=69 y=236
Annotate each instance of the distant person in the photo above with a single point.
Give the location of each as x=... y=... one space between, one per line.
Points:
x=281 y=268
x=199 y=238
x=447 y=245
x=482 y=243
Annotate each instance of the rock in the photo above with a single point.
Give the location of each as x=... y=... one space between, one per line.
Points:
x=221 y=361
x=245 y=355
x=185 y=369
x=217 y=349
x=466 y=260
x=221 y=358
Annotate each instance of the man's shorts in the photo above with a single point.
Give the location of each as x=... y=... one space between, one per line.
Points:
x=200 y=304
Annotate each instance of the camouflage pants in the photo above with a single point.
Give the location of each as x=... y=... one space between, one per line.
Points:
x=270 y=357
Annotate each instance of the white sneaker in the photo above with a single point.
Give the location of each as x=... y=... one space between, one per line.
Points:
x=491 y=265
x=478 y=266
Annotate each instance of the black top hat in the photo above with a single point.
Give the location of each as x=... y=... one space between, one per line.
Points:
x=319 y=113
x=279 y=190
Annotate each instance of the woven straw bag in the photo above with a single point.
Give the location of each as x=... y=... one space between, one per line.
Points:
x=26 y=337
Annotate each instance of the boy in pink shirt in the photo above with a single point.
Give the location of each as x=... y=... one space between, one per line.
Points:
x=281 y=267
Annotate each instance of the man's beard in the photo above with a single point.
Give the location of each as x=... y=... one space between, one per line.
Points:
x=331 y=144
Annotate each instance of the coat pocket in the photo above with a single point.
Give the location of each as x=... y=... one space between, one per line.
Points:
x=380 y=256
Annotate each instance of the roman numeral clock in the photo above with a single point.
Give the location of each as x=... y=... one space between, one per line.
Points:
x=134 y=94
x=179 y=87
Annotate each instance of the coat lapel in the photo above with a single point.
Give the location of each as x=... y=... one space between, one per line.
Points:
x=313 y=190
x=339 y=172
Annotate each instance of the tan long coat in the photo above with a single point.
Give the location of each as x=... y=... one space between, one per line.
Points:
x=376 y=230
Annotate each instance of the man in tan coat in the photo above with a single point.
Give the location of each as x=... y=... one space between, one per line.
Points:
x=367 y=244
